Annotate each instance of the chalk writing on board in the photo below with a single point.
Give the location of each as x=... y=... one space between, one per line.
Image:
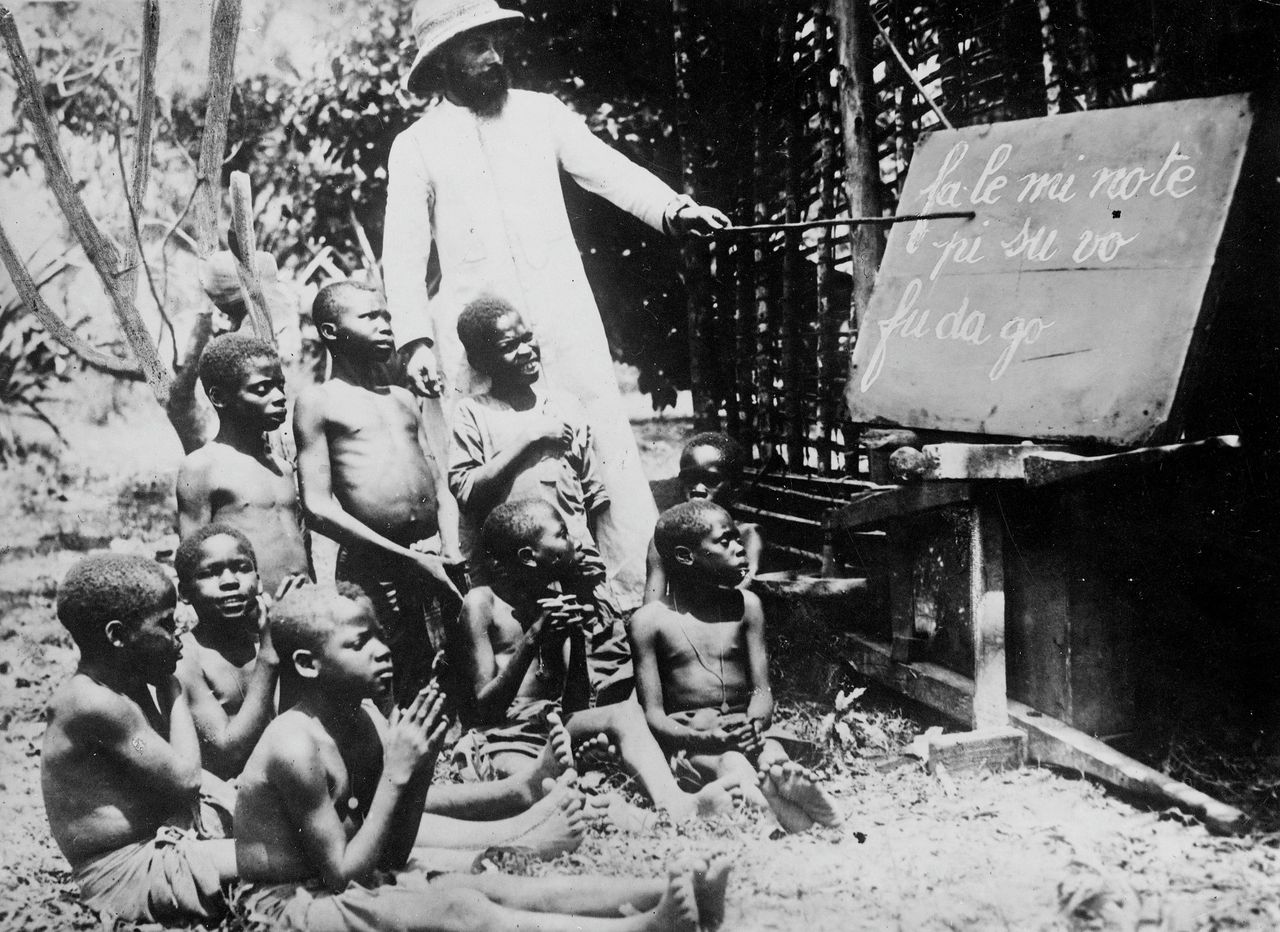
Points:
x=1043 y=243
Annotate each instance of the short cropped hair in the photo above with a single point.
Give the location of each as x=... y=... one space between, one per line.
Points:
x=730 y=450
x=684 y=525
x=513 y=525
x=303 y=619
x=477 y=322
x=226 y=359
x=331 y=300
x=106 y=587
x=187 y=556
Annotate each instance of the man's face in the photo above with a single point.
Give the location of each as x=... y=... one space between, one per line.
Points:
x=356 y=660
x=514 y=356
x=474 y=70
x=703 y=476
x=259 y=398
x=720 y=555
x=363 y=328
x=224 y=585
x=152 y=640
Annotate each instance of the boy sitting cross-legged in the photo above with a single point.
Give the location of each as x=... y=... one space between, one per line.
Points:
x=702 y=673
x=330 y=803
x=234 y=478
x=121 y=776
x=710 y=469
x=367 y=484
x=520 y=653
x=228 y=666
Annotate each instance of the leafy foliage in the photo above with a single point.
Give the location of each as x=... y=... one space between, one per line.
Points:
x=31 y=362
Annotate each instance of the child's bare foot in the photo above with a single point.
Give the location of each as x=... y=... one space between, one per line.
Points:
x=710 y=881
x=677 y=911
x=713 y=800
x=612 y=809
x=596 y=752
x=796 y=797
x=556 y=823
x=555 y=759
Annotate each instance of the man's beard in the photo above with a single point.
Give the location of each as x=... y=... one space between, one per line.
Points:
x=485 y=93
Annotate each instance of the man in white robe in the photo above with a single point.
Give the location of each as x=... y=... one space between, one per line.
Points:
x=476 y=178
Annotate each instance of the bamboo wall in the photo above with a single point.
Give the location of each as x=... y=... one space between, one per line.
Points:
x=771 y=323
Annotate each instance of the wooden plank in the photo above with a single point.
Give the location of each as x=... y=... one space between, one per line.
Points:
x=1067 y=307
x=986 y=610
x=1049 y=741
x=875 y=507
x=1044 y=468
x=997 y=748
x=965 y=460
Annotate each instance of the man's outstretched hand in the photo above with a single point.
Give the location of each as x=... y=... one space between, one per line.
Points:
x=692 y=219
x=423 y=371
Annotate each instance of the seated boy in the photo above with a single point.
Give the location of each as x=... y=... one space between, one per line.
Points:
x=235 y=478
x=520 y=653
x=228 y=666
x=121 y=777
x=702 y=673
x=330 y=799
x=367 y=484
x=710 y=468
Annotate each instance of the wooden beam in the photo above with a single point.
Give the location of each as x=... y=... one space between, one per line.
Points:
x=1003 y=748
x=986 y=611
x=1049 y=741
x=1046 y=468
x=965 y=460
x=891 y=503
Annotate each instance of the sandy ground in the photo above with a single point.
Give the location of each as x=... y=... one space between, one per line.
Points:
x=1024 y=850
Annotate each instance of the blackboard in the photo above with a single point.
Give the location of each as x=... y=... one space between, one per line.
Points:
x=1067 y=306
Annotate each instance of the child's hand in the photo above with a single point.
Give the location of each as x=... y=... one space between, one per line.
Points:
x=745 y=737
x=168 y=692
x=561 y=617
x=407 y=744
x=434 y=566
x=266 y=647
x=549 y=430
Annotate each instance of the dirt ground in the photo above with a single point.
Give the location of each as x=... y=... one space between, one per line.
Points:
x=1027 y=850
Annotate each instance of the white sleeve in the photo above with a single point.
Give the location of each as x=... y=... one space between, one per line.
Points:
x=602 y=170
x=406 y=242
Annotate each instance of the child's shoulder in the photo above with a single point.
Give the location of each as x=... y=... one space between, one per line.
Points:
x=480 y=600
x=82 y=704
x=651 y=617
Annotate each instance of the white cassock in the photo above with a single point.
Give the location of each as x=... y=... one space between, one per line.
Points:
x=485 y=191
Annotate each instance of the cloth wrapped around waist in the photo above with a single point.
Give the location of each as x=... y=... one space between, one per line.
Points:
x=388 y=902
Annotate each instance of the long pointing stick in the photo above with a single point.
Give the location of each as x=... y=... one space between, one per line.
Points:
x=845 y=221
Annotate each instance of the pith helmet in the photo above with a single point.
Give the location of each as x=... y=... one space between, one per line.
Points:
x=435 y=22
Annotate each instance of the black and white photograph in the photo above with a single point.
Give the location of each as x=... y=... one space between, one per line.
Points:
x=640 y=465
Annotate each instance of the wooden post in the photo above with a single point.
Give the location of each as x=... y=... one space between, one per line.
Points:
x=1052 y=64
x=793 y=365
x=855 y=34
x=986 y=601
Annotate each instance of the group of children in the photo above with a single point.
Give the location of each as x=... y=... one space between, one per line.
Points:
x=278 y=757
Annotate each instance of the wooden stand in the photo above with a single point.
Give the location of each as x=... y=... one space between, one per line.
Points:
x=957 y=606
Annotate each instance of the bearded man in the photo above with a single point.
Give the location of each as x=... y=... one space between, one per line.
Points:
x=474 y=207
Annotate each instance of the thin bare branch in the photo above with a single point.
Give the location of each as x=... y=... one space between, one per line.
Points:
x=101 y=253
x=58 y=328
x=224 y=32
x=246 y=239
x=143 y=138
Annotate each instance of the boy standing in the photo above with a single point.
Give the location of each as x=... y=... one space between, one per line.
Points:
x=121 y=777
x=367 y=484
x=702 y=671
x=711 y=469
x=330 y=807
x=234 y=478
x=521 y=654
x=228 y=666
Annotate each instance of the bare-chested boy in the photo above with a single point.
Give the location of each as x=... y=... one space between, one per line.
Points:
x=228 y=666
x=122 y=777
x=229 y=670
x=367 y=484
x=519 y=655
x=235 y=478
x=702 y=670
x=711 y=469
x=329 y=804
